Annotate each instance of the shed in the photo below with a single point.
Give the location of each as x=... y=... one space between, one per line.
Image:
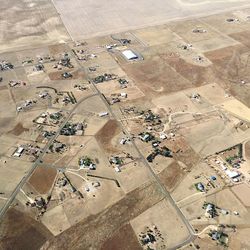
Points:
x=129 y=55
x=232 y=174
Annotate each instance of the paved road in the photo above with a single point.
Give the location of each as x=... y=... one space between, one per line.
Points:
x=37 y=162
x=162 y=187
x=167 y=195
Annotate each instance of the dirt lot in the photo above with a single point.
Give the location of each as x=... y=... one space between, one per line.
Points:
x=242 y=191
x=240 y=240
x=98 y=227
x=171 y=176
x=242 y=37
x=227 y=200
x=123 y=239
x=105 y=135
x=20 y=231
x=163 y=216
x=39 y=24
x=76 y=74
x=233 y=66
x=183 y=152
x=42 y=179
x=131 y=15
x=18 y=129
x=247 y=150
x=155 y=77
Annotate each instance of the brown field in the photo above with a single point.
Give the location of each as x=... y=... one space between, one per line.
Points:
x=240 y=240
x=155 y=77
x=123 y=239
x=242 y=37
x=198 y=75
x=19 y=232
x=76 y=74
x=99 y=227
x=232 y=65
x=242 y=191
x=183 y=152
x=247 y=150
x=106 y=133
x=18 y=129
x=42 y=179
x=171 y=176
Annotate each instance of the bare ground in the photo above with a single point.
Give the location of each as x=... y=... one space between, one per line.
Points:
x=123 y=239
x=233 y=64
x=42 y=179
x=21 y=232
x=247 y=150
x=98 y=228
x=242 y=37
x=106 y=133
x=76 y=74
x=183 y=152
x=18 y=129
x=155 y=77
x=171 y=176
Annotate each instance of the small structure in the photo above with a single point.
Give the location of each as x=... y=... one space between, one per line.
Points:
x=67 y=75
x=102 y=114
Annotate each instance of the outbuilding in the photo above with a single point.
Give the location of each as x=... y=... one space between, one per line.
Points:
x=129 y=55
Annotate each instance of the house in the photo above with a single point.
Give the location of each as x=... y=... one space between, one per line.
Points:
x=200 y=187
x=86 y=163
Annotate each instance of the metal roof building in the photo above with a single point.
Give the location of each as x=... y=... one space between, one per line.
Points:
x=129 y=55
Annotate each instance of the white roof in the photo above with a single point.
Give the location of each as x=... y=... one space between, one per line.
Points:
x=129 y=54
x=103 y=113
x=232 y=174
x=20 y=150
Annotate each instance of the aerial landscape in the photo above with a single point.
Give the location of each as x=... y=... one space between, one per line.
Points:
x=125 y=125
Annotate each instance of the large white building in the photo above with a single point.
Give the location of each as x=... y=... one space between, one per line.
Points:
x=129 y=55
